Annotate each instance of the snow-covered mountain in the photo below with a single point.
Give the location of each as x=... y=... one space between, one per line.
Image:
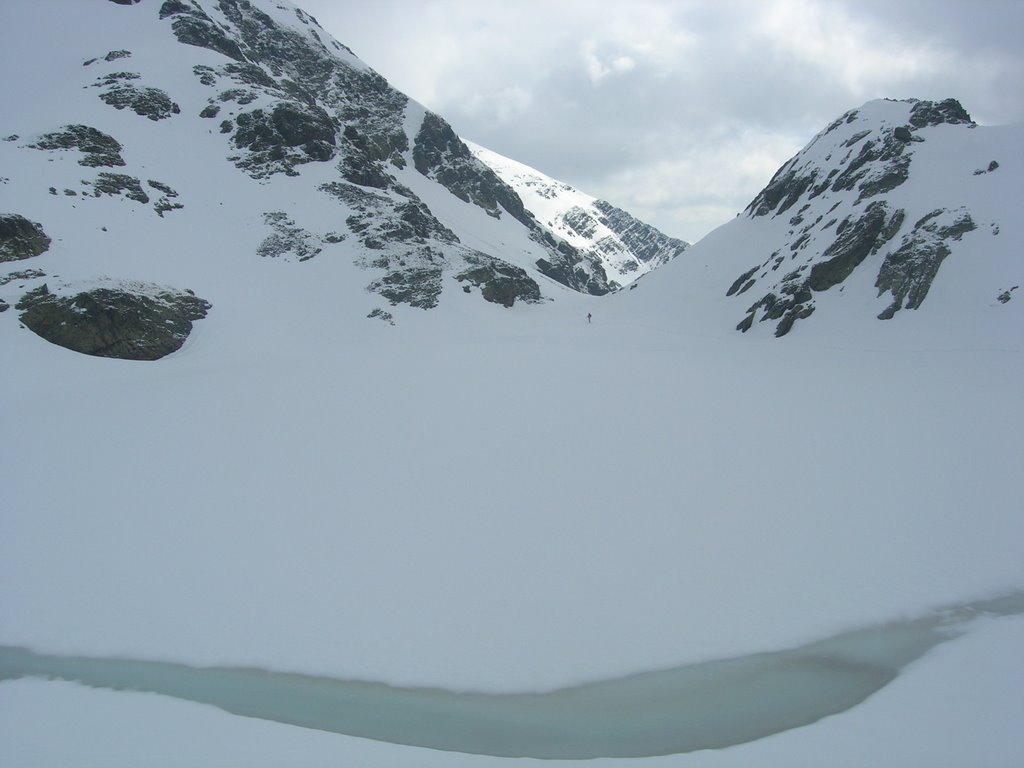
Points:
x=296 y=496
x=897 y=208
x=253 y=95
x=625 y=247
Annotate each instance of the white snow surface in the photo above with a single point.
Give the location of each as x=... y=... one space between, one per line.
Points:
x=482 y=498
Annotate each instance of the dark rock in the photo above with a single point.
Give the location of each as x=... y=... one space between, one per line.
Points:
x=146 y=102
x=417 y=286
x=908 y=272
x=887 y=179
x=746 y=323
x=850 y=248
x=207 y=75
x=250 y=74
x=192 y=26
x=361 y=200
x=121 y=322
x=950 y=112
x=1005 y=296
x=991 y=167
x=174 y=7
x=22 y=274
x=290 y=134
x=21 y=238
x=500 y=282
x=440 y=154
x=784 y=189
x=287 y=238
x=568 y=267
x=903 y=133
x=743 y=281
x=100 y=150
x=119 y=184
x=164 y=204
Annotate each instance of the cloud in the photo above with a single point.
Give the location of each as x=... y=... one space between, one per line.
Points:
x=679 y=110
x=598 y=68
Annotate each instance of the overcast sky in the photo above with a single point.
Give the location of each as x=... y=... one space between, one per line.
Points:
x=679 y=111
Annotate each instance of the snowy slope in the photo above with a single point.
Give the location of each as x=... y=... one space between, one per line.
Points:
x=476 y=498
x=625 y=247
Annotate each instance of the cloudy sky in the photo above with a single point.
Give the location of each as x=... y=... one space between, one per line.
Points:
x=679 y=111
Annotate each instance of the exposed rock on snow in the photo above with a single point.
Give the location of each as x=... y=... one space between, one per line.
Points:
x=499 y=282
x=287 y=239
x=1005 y=296
x=418 y=286
x=193 y=26
x=281 y=137
x=441 y=155
x=21 y=238
x=908 y=271
x=99 y=149
x=568 y=266
x=131 y=321
x=147 y=102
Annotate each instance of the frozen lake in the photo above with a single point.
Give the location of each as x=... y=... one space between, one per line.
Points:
x=706 y=705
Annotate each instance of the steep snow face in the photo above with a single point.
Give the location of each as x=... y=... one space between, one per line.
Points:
x=608 y=237
x=896 y=206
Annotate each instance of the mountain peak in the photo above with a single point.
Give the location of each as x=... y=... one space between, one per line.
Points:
x=850 y=198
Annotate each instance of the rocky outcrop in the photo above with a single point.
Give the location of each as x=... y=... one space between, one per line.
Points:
x=499 y=282
x=21 y=238
x=287 y=239
x=192 y=26
x=130 y=321
x=440 y=154
x=99 y=149
x=120 y=93
x=568 y=266
x=282 y=137
x=907 y=272
x=417 y=286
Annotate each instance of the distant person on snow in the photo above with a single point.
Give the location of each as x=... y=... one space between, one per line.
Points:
x=588 y=317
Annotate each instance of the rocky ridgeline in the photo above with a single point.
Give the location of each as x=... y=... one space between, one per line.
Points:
x=834 y=194
x=647 y=244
